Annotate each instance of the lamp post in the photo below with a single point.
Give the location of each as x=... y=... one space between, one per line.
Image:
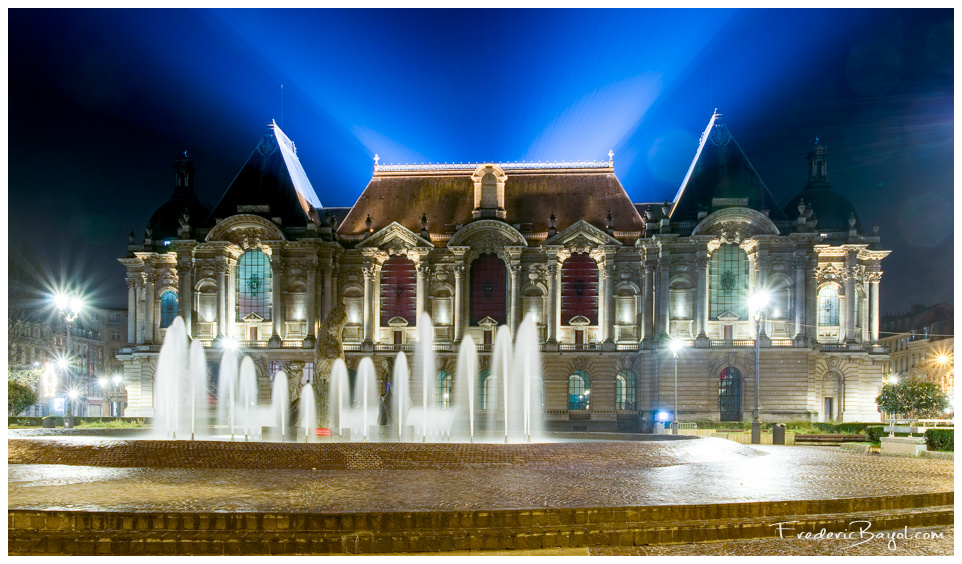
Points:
x=757 y=302
x=70 y=307
x=676 y=345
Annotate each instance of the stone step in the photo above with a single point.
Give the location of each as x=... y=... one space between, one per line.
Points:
x=36 y=532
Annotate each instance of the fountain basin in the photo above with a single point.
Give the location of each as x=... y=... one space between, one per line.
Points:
x=145 y=453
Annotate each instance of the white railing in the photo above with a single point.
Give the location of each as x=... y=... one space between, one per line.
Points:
x=917 y=426
x=506 y=166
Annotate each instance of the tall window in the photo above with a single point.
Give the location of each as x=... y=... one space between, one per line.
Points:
x=489 y=191
x=625 y=389
x=780 y=304
x=443 y=392
x=488 y=390
x=579 y=390
x=828 y=306
x=168 y=308
x=579 y=288
x=679 y=306
x=398 y=290
x=730 y=394
x=488 y=289
x=254 y=285
x=728 y=281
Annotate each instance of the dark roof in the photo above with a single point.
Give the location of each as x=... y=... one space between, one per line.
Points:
x=264 y=183
x=531 y=196
x=721 y=176
x=165 y=222
x=831 y=209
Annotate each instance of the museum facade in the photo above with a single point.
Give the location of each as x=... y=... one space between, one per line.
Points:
x=609 y=283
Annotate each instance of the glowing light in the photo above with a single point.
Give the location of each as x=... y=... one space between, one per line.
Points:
x=230 y=343
x=663 y=416
x=117 y=380
x=62 y=364
x=676 y=345
x=102 y=382
x=893 y=380
x=72 y=394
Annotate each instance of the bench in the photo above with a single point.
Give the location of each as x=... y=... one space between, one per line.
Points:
x=829 y=439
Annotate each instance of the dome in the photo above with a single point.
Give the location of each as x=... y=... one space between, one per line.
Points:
x=831 y=209
x=166 y=220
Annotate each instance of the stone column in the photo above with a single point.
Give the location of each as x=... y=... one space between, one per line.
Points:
x=701 y=293
x=376 y=299
x=277 y=301
x=864 y=316
x=800 y=261
x=648 y=302
x=610 y=320
x=423 y=272
x=458 y=299
x=662 y=298
x=220 y=270
x=149 y=335
x=368 y=272
x=873 y=297
x=132 y=336
x=513 y=270
x=761 y=283
x=185 y=301
x=327 y=263
x=850 y=297
x=551 y=318
x=311 y=306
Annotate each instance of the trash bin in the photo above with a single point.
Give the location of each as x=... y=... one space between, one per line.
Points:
x=48 y=422
x=778 y=434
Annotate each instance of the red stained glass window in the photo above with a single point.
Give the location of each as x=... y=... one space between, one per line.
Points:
x=488 y=289
x=398 y=290
x=579 y=289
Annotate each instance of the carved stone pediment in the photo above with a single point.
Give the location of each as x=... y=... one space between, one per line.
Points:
x=728 y=315
x=246 y=231
x=581 y=237
x=487 y=324
x=487 y=236
x=252 y=318
x=733 y=225
x=395 y=239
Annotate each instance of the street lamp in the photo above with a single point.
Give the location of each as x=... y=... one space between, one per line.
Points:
x=676 y=345
x=757 y=303
x=70 y=306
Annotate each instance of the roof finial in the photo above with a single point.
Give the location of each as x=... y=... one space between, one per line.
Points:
x=611 y=155
x=376 y=158
x=816 y=139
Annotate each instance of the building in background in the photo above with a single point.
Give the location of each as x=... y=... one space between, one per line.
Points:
x=921 y=345
x=609 y=282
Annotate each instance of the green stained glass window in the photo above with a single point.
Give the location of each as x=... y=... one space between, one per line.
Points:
x=828 y=306
x=254 y=285
x=728 y=282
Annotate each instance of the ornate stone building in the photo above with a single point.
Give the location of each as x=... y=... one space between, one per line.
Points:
x=609 y=282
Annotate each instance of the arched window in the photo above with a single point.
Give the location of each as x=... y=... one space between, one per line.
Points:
x=728 y=281
x=487 y=398
x=681 y=299
x=579 y=390
x=489 y=191
x=625 y=389
x=488 y=289
x=730 y=394
x=168 y=308
x=398 y=290
x=828 y=306
x=579 y=288
x=780 y=304
x=254 y=285
x=443 y=392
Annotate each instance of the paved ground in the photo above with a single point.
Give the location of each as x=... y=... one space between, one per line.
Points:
x=931 y=541
x=781 y=473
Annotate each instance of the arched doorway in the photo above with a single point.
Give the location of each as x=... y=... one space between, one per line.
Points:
x=730 y=394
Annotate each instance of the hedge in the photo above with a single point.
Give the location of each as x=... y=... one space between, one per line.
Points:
x=36 y=421
x=940 y=439
x=875 y=433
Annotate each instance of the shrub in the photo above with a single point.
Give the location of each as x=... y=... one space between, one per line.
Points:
x=19 y=397
x=913 y=398
x=875 y=433
x=940 y=439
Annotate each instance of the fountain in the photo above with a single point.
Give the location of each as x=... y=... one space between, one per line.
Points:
x=424 y=408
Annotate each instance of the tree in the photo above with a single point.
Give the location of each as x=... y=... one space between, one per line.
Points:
x=913 y=398
x=19 y=397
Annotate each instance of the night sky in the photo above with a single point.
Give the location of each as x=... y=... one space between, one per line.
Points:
x=102 y=102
